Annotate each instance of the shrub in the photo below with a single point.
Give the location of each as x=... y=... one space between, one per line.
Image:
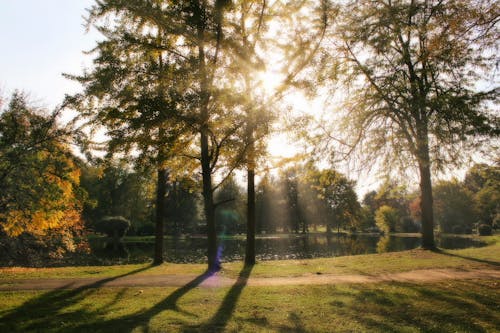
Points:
x=484 y=230
x=113 y=226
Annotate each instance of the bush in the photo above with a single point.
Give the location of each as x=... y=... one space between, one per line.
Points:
x=113 y=226
x=484 y=230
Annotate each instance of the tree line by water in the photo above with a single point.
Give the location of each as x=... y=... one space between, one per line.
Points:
x=179 y=89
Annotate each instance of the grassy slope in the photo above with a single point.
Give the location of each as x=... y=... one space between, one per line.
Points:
x=361 y=264
x=448 y=306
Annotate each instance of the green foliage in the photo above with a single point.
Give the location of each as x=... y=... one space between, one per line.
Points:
x=38 y=176
x=454 y=206
x=182 y=212
x=230 y=212
x=113 y=226
x=483 y=181
x=114 y=189
x=40 y=197
x=386 y=218
x=337 y=196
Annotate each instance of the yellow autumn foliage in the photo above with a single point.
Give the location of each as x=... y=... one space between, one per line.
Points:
x=60 y=210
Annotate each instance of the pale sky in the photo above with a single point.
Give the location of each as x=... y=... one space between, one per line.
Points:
x=41 y=39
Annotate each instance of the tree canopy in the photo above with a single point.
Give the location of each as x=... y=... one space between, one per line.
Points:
x=38 y=175
x=412 y=69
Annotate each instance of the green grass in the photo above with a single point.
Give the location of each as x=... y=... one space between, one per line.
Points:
x=447 y=306
x=369 y=264
x=453 y=306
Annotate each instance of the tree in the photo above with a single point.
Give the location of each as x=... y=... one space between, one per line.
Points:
x=386 y=218
x=336 y=193
x=161 y=70
x=39 y=178
x=454 y=206
x=413 y=67
x=230 y=208
x=136 y=90
x=114 y=189
x=483 y=181
x=182 y=211
x=253 y=49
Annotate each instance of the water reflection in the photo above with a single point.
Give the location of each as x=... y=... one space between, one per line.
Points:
x=193 y=249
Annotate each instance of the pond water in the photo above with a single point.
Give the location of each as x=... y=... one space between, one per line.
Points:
x=193 y=249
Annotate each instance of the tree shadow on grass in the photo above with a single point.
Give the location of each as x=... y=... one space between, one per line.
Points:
x=483 y=261
x=429 y=308
x=141 y=319
x=49 y=311
x=219 y=320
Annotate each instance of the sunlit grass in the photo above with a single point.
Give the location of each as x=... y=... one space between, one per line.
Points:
x=360 y=264
x=451 y=306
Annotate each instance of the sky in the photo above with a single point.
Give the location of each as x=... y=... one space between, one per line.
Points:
x=41 y=39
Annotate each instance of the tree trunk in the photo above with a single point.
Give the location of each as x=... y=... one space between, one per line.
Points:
x=250 y=246
x=206 y=158
x=426 y=206
x=161 y=190
x=426 y=200
x=206 y=170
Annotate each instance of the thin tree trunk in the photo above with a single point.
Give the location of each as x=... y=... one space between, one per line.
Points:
x=213 y=259
x=161 y=190
x=206 y=159
x=250 y=246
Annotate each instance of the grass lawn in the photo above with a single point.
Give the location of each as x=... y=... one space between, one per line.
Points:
x=446 y=306
x=370 y=264
x=453 y=306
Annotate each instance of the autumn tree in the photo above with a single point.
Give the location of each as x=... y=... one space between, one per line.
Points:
x=412 y=68
x=38 y=175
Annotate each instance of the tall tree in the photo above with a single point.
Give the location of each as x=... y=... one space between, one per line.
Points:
x=259 y=55
x=135 y=90
x=169 y=67
x=412 y=68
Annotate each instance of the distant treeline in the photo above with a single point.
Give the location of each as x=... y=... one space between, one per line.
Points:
x=298 y=199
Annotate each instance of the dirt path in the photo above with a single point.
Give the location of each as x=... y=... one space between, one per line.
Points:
x=428 y=275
